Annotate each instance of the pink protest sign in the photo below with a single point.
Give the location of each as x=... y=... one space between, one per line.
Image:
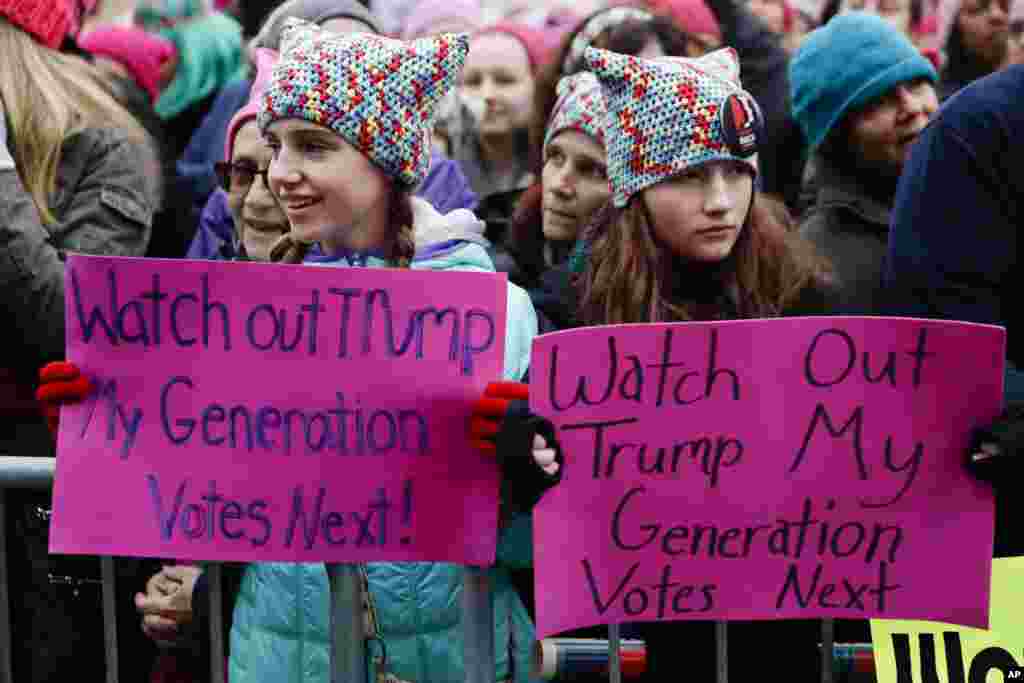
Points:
x=264 y=412
x=795 y=468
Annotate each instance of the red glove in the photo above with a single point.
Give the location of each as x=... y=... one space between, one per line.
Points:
x=489 y=411
x=60 y=383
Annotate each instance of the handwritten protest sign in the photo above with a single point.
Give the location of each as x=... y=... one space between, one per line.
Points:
x=927 y=651
x=249 y=411
x=765 y=469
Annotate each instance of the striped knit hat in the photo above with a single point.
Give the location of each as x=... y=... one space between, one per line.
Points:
x=377 y=93
x=670 y=114
x=580 y=106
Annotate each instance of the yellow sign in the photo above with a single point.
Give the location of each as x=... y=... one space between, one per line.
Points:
x=934 y=652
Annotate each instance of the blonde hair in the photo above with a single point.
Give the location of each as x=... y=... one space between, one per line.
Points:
x=49 y=96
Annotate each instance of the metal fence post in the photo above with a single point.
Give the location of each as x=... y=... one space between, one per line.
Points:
x=614 y=652
x=722 y=651
x=213 y=576
x=827 y=645
x=6 y=675
x=24 y=473
x=478 y=625
x=109 y=617
x=348 y=647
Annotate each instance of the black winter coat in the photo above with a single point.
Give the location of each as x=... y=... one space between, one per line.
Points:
x=104 y=204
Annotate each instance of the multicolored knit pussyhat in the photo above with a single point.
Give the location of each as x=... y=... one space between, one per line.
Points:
x=670 y=114
x=580 y=106
x=379 y=94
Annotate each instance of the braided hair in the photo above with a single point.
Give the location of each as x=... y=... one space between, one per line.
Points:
x=404 y=247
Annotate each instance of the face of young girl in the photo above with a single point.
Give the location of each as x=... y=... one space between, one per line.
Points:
x=325 y=186
x=258 y=218
x=497 y=72
x=698 y=214
x=575 y=183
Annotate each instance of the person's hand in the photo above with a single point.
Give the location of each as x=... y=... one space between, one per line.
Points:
x=994 y=453
x=60 y=383
x=490 y=410
x=502 y=425
x=545 y=456
x=161 y=630
x=167 y=603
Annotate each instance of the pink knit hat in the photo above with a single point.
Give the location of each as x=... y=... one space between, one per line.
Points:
x=532 y=39
x=265 y=61
x=49 y=21
x=139 y=51
x=429 y=14
x=693 y=16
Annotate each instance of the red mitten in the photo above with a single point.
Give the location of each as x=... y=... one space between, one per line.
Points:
x=60 y=383
x=490 y=410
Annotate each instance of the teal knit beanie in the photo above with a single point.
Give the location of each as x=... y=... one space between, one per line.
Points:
x=849 y=62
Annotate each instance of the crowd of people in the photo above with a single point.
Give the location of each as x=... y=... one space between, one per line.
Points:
x=625 y=161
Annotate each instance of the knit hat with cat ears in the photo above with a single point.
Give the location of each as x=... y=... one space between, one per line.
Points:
x=671 y=114
x=580 y=106
x=378 y=93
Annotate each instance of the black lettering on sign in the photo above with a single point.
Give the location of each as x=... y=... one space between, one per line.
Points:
x=670 y=597
x=814 y=592
x=909 y=466
x=630 y=386
x=991 y=658
x=819 y=374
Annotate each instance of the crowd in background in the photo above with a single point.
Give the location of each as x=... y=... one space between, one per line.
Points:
x=861 y=160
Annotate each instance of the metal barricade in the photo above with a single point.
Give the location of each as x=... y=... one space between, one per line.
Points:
x=722 y=652
x=18 y=473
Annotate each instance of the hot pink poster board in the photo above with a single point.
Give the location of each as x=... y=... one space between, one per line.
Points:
x=259 y=412
x=765 y=469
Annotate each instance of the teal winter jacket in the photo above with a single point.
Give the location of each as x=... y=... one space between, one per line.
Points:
x=280 y=629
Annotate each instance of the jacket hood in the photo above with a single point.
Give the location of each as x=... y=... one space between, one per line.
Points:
x=452 y=240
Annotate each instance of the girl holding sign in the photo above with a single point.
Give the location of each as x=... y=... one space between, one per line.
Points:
x=345 y=186
x=683 y=238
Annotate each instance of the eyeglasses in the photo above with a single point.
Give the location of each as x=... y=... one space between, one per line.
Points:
x=239 y=176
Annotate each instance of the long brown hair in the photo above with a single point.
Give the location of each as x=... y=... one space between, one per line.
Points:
x=630 y=277
x=403 y=246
